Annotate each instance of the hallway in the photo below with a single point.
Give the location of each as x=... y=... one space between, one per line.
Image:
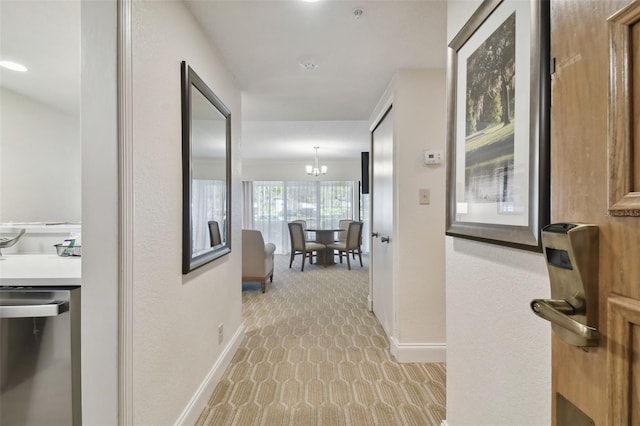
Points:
x=314 y=355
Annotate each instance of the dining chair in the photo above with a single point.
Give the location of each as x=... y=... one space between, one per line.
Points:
x=299 y=245
x=343 y=224
x=342 y=235
x=214 y=233
x=351 y=245
x=304 y=229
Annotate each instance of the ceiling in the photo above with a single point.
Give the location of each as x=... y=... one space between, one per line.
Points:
x=45 y=37
x=286 y=109
x=264 y=42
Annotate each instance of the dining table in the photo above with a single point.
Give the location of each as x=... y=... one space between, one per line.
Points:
x=325 y=236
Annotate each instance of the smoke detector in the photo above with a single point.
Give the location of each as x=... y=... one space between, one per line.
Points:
x=308 y=65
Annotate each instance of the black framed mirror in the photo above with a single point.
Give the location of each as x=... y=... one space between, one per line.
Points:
x=206 y=173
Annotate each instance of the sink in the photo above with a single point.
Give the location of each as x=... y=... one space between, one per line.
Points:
x=9 y=237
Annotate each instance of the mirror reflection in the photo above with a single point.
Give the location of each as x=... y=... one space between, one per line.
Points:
x=206 y=151
x=208 y=174
x=40 y=114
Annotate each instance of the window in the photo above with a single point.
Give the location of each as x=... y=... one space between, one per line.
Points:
x=321 y=204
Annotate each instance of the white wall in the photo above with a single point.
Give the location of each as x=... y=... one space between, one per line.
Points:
x=175 y=316
x=418 y=98
x=498 y=352
x=208 y=168
x=100 y=214
x=39 y=161
x=253 y=170
x=419 y=238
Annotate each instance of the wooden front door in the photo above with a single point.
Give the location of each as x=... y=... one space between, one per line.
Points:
x=593 y=180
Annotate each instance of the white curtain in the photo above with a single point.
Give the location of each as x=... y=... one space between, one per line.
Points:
x=321 y=204
x=268 y=213
x=336 y=202
x=208 y=203
x=247 y=205
x=364 y=217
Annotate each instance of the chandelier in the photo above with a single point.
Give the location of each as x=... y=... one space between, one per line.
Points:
x=316 y=170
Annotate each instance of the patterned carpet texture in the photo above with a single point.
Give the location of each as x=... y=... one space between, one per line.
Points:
x=314 y=355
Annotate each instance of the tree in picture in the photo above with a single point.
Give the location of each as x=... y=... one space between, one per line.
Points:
x=489 y=138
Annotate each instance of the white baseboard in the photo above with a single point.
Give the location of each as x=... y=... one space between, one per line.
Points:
x=199 y=400
x=444 y=423
x=418 y=352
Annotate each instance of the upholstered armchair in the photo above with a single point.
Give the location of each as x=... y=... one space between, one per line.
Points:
x=257 y=258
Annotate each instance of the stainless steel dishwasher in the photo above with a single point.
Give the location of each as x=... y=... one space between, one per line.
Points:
x=40 y=356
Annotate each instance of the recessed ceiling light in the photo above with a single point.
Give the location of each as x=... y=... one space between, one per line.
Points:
x=13 y=66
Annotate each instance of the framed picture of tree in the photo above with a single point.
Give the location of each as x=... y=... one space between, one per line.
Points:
x=498 y=87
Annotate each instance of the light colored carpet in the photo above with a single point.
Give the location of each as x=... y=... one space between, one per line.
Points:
x=314 y=355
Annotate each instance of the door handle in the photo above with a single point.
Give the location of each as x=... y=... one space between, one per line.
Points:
x=26 y=311
x=375 y=234
x=571 y=254
x=385 y=239
x=558 y=311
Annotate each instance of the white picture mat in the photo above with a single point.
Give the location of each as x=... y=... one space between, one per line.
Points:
x=488 y=212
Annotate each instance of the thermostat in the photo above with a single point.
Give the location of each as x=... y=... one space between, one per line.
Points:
x=433 y=156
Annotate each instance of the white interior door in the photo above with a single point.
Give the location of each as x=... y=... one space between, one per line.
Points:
x=382 y=222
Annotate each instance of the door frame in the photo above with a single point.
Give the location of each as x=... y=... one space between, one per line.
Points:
x=379 y=113
x=125 y=213
x=392 y=332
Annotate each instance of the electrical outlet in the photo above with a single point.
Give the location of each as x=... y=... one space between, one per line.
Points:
x=220 y=333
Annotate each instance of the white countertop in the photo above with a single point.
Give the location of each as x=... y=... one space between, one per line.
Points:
x=44 y=228
x=40 y=270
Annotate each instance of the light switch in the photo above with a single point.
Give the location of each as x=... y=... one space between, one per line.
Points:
x=425 y=196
